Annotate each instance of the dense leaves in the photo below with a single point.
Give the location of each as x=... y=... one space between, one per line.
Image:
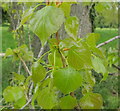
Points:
x=68 y=67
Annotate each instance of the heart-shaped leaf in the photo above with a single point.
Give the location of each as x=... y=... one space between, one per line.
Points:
x=46 y=22
x=67 y=79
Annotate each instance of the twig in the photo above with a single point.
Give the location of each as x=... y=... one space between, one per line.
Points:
x=19 y=67
x=26 y=103
x=41 y=50
x=25 y=66
x=116 y=66
x=106 y=42
x=1 y=100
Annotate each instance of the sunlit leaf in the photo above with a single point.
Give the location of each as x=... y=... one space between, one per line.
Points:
x=13 y=94
x=72 y=26
x=91 y=101
x=46 y=22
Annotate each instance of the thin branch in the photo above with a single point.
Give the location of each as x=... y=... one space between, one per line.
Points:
x=116 y=66
x=1 y=100
x=41 y=50
x=26 y=103
x=2 y=54
x=25 y=66
x=106 y=42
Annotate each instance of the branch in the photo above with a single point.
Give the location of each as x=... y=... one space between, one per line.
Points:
x=116 y=66
x=25 y=66
x=2 y=54
x=41 y=50
x=106 y=42
x=26 y=103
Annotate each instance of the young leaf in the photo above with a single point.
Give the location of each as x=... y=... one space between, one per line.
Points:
x=72 y=26
x=18 y=77
x=46 y=22
x=46 y=98
x=68 y=102
x=8 y=52
x=13 y=94
x=26 y=16
x=91 y=101
x=38 y=72
x=67 y=79
x=66 y=6
x=26 y=55
x=92 y=39
x=99 y=66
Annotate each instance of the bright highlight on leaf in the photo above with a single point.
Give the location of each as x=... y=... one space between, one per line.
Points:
x=91 y=101
x=72 y=26
x=13 y=94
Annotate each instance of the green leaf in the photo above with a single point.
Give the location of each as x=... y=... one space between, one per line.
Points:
x=46 y=22
x=98 y=65
x=46 y=98
x=68 y=102
x=38 y=72
x=91 y=101
x=79 y=57
x=13 y=94
x=72 y=26
x=66 y=7
x=88 y=81
x=26 y=16
x=18 y=77
x=92 y=39
x=67 y=79
x=55 y=59
x=21 y=102
x=25 y=54
x=28 y=56
x=97 y=52
x=67 y=43
x=8 y=52
x=88 y=78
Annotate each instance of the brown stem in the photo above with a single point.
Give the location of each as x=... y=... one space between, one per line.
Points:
x=62 y=57
x=57 y=38
x=116 y=66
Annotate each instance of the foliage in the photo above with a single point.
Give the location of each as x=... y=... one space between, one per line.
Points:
x=69 y=67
